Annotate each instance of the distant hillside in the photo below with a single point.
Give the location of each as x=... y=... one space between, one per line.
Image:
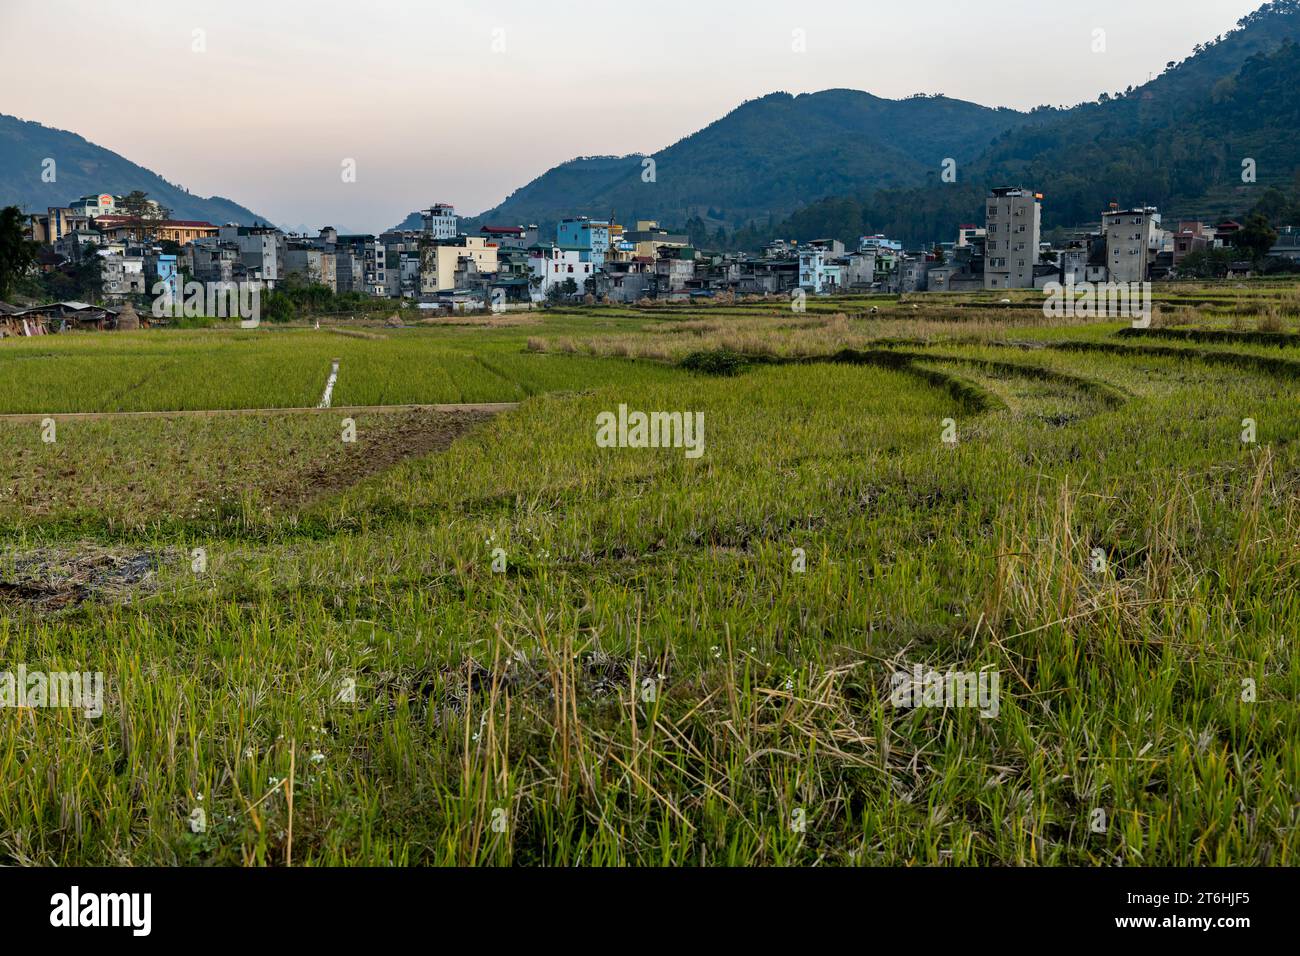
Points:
x=1177 y=142
x=765 y=159
x=82 y=168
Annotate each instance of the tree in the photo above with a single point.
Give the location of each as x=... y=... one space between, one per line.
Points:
x=17 y=252
x=141 y=211
x=940 y=257
x=1257 y=237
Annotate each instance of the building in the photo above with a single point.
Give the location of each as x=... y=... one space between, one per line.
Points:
x=440 y=221
x=1073 y=261
x=675 y=268
x=349 y=271
x=858 y=271
x=1287 y=245
x=58 y=222
x=212 y=261
x=1190 y=237
x=162 y=267
x=261 y=250
x=647 y=239
x=914 y=273
x=510 y=237
x=550 y=266
x=1013 y=230
x=439 y=262
x=1133 y=239
x=179 y=231
x=968 y=234
x=370 y=272
x=812 y=270
x=312 y=265
x=588 y=236
x=121 y=275
x=408 y=273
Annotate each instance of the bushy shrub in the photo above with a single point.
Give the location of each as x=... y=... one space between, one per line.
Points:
x=715 y=362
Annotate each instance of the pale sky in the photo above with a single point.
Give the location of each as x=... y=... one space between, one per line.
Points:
x=461 y=101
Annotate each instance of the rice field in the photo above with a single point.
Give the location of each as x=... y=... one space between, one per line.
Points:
x=487 y=640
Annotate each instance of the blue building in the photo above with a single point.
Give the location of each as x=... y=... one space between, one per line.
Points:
x=589 y=236
x=164 y=266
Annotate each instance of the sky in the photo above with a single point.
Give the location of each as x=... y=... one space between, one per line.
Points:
x=272 y=102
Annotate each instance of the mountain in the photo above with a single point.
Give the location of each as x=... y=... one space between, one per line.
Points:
x=1178 y=142
x=764 y=160
x=83 y=169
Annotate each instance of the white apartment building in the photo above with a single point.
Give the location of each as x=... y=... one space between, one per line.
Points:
x=554 y=265
x=440 y=221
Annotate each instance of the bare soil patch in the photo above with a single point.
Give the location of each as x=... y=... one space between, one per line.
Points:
x=51 y=579
x=383 y=441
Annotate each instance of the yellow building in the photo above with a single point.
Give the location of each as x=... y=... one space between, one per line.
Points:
x=438 y=262
x=648 y=238
x=178 y=230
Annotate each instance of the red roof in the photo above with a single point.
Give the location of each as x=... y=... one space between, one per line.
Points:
x=114 y=220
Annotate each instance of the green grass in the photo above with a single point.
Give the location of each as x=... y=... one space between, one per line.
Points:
x=506 y=717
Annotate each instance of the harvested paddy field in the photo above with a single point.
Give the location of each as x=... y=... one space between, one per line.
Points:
x=482 y=638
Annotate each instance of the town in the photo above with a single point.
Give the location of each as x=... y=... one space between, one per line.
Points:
x=127 y=251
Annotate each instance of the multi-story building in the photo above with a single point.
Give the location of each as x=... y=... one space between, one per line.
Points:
x=968 y=234
x=551 y=266
x=439 y=262
x=121 y=275
x=212 y=260
x=261 y=250
x=510 y=237
x=588 y=236
x=440 y=221
x=179 y=231
x=372 y=276
x=59 y=221
x=349 y=271
x=314 y=266
x=1073 y=261
x=1192 y=236
x=103 y=204
x=812 y=270
x=408 y=273
x=1014 y=223
x=162 y=267
x=913 y=274
x=675 y=268
x=858 y=270
x=647 y=239
x=1133 y=239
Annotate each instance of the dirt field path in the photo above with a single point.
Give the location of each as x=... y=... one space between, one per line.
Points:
x=488 y=407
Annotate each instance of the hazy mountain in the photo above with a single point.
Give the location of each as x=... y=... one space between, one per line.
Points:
x=842 y=163
x=82 y=168
x=1178 y=142
x=765 y=159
